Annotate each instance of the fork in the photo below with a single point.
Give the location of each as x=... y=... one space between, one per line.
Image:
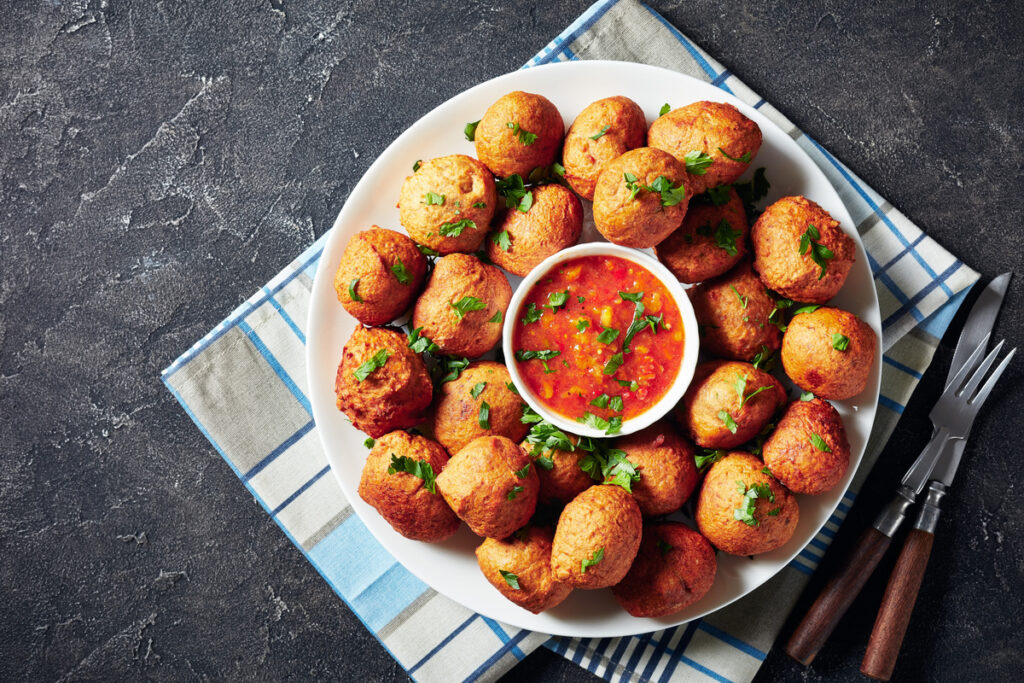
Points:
x=952 y=416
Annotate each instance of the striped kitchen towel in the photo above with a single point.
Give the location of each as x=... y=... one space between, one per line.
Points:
x=243 y=385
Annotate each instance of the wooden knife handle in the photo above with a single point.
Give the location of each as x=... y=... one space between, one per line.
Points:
x=836 y=597
x=897 y=605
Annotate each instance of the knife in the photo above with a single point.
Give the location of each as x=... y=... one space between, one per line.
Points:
x=905 y=582
x=840 y=592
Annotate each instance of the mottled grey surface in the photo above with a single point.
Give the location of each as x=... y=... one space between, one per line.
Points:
x=160 y=161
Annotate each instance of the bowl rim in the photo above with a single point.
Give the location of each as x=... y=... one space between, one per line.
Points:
x=691 y=341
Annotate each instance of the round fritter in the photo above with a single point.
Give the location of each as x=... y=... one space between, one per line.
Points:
x=711 y=240
x=379 y=275
x=644 y=218
x=758 y=519
x=564 y=480
x=395 y=387
x=779 y=238
x=410 y=504
x=447 y=204
x=618 y=124
x=665 y=462
x=714 y=413
x=525 y=559
x=674 y=569
x=713 y=128
x=597 y=537
x=491 y=485
x=459 y=410
x=829 y=352
x=518 y=133
x=459 y=284
x=808 y=451
x=733 y=314
x=522 y=240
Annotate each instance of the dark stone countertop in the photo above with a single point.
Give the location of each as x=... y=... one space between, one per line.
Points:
x=160 y=161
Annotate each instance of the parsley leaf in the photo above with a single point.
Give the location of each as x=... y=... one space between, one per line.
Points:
x=416 y=166
x=840 y=342
x=719 y=194
x=546 y=354
x=582 y=324
x=601 y=401
x=743 y=300
x=615 y=404
x=631 y=184
x=665 y=108
x=613 y=364
x=607 y=336
x=609 y=465
x=820 y=254
x=708 y=458
x=514 y=192
x=753 y=191
x=401 y=273
x=479 y=205
x=369 y=442
x=427 y=251
x=807 y=396
x=467 y=304
x=594 y=558
x=454 y=229
x=502 y=240
x=433 y=199
x=352 y=294
x=558 y=169
x=697 y=162
x=557 y=300
x=516 y=490
x=670 y=196
x=807 y=309
x=744 y=158
x=763 y=359
x=819 y=443
x=730 y=423
x=484 y=418
x=724 y=236
x=470 y=130
x=477 y=389
x=631 y=384
x=525 y=137
x=453 y=367
x=510 y=578
x=601 y=132
x=512 y=387
x=523 y=471
x=417 y=468
x=376 y=362
x=775 y=317
x=533 y=314
x=530 y=416
x=745 y=513
x=497 y=317
x=635 y=297
x=593 y=421
x=544 y=436
x=420 y=343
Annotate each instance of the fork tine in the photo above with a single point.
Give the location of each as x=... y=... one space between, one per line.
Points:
x=980 y=397
x=979 y=374
x=968 y=365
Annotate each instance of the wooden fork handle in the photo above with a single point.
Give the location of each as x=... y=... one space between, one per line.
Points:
x=836 y=597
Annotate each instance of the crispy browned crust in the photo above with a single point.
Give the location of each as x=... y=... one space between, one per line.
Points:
x=554 y=222
x=369 y=257
x=529 y=558
x=691 y=253
x=565 y=480
x=665 y=462
x=501 y=149
x=814 y=365
x=583 y=157
x=602 y=518
x=732 y=312
x=793 y=458
x=456 y=412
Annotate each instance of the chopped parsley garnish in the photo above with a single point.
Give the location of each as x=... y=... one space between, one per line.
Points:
x=525 y=137
x=558 y=169
x=631 y=384
x=433 y=199
x=523 y=471
x=744 y=158
x=557 y=300
x=745 y=513
x=664 y=547
x=582 y=324
x=741 y=387
x=774 y=512
x=594 y=558
x=453 y=367
x=454 y=229
x=840 y=342
x=631 y=184
x=724 y=236
x=479 y=205
x=613 y=364
x=545 y=354
x=807 y=309
x=615 y=404
x=719 y=194
x=515 y=193
x=510 y=578
x=420 y=343
x=765 y=470
x=376 y=362
x=530 y=416
x=743 y=300
x=532 y=315
x=707 y=458
x=763 y=359
x=545 y=463
x=416 y=166
x=580 y=299
x=484 y=418
x=665 y=108
x=417 y=468
x=608 y=335
x=635 y=297
x=497 y=317
x=601 y=401
x=820 y=254
x=614 y=425
x=512 y=387
x=352 y=294
x=401 y=273
x=427 y=251
x=467 y=304
x=753 y=191
x=369 y=441
x=477 y=389
x=609 y=465
x=697 y=162
x=544 y=436
x=593 y=421
x=470 y=130
x=807 y=396
x=819 y=443
x=598 y=134
x=670 y=196
x=726 y=418
x=502 y=240
x=775 y=317
x=516 y=490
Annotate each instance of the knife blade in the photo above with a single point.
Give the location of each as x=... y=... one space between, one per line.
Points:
x=979 y=323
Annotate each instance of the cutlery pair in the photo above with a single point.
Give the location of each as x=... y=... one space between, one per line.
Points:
x=952 y=417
